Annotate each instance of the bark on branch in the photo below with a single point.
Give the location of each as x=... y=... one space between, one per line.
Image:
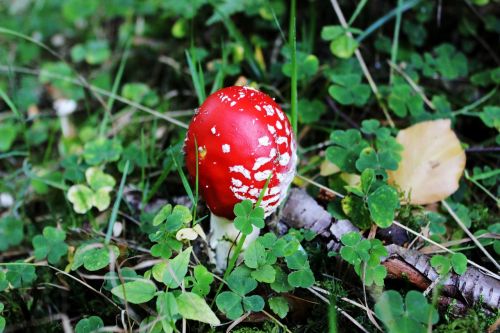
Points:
x=302 y=211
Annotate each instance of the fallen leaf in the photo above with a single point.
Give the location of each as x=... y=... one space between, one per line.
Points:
x=432 y=162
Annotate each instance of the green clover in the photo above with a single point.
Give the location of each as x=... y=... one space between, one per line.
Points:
x=247 y=216
x=50 y=245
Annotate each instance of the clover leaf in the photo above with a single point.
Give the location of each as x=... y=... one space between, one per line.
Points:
x=2 y=319
x=11 y=232
x=50 y=245
x=233 y=303
x=403 y=100
x=102 y=150
x=382 y=204
x=247 y=216
x=21 y=275
x=202 y=279
x=411 y=316
x=449 y=62
x=443 y=264
x=279 y=305
x=310 y=110
x=365 y=255
x=94 y=256
x=84 y=198
x=491 y=116
x=88 y=325
x=347 y=147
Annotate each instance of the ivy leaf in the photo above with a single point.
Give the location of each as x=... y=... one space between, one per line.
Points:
x=51 y=245
x=279 y=305
x=88 y=325
x=101 y=151
x=348 y=146
x=136 y=292
x=11 y=232
x=246 y=216
x=193 y=307
x=382 y=204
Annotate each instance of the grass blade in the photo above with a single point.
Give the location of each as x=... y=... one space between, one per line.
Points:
x=395 y=40
x=384 y=19
x=116 y=205
x=10 y=104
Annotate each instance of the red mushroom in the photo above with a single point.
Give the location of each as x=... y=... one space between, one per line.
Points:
x=243 y=136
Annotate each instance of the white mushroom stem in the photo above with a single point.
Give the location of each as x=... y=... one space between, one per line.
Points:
x=64 y=108
x=222 y=240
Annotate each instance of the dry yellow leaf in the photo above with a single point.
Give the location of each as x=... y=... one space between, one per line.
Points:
x=432 y=162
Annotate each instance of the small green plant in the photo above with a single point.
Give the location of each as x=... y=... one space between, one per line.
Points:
x=444 y=264
x=365 y=255
x=412 y=315
x=50 y=245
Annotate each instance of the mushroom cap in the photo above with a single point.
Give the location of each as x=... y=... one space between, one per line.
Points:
x=242 y=137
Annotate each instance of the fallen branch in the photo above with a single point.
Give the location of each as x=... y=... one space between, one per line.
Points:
x=474 y=286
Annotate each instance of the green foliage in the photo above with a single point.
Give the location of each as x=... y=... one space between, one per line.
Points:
x=94 y=52
x=443 y=264
x=50 y=245
x=11 y=232
x=365 y=255
x=97 y=195
x=93 y=256
x=411 y=316
x=88 y=325
x=279 y=305
x=136 y=292
x=248 y=216
x=2 y=319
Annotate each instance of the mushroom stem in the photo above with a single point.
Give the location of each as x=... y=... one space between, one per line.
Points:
x=223 y=239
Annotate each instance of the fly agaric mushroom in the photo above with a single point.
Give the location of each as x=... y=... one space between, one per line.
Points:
x=243 y=137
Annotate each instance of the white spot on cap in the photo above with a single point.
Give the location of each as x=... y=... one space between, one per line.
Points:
x=241 y=169
x=213 y=130
x=284 y=159
x=278 y=125
x=271 y=129
x=280 y=114
x=258 y=108
x=242 y=189
x=254 y=192
x=226 y=148
x=269 y=110
x=236 y=182
x=264 y=141
x=282 y=139
x=262 y=175
x=233 y=103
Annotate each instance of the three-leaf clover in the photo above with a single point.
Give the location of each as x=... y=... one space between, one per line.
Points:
x=411 y=316
x=233 y=303
x=97 y=195
x=443 y=265
x=88 y=325
x=403 y=100
x=11 y=232
x=50 y=245
x=347 y=147
x=94 y=256
x=341 y=44
x=102 y=150
x=365 y=256
x=247 y=216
